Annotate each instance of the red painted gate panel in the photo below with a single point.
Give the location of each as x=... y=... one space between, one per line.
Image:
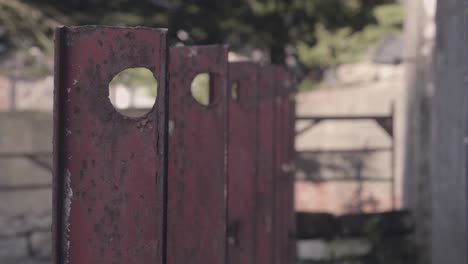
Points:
x=290 y=113
x=127 y=192
x=242 y=161
x=196 y=230
x=108 y=197
x=279 y=179
x=265 y=175
x=285 y=178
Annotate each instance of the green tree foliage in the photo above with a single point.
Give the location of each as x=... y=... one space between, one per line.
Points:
x=26 y=25
x=344 y=44
x=134 y=78
x=317 y=33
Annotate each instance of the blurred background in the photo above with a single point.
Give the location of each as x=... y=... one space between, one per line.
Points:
x=365 y=112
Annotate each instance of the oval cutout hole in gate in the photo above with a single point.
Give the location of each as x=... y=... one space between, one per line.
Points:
x=200 y=88
x=235 y=91
x=133 y=91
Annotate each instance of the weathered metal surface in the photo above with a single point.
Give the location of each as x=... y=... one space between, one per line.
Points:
x=289 y=139
x=242 y=161
x=197 y=203
x=265 y=184
x=108 y=175
x=281 y=184
x=127 y=192
x=284 y=177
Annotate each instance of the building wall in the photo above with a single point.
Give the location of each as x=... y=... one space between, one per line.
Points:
x=25 y=214
x=363 y=89
x=419 y=89
x=449 y=128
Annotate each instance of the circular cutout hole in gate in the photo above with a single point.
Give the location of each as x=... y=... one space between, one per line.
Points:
x=201 y=88
x=235 y=91
x=133 y=91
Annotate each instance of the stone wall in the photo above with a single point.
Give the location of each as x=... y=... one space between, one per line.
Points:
x=25 y=193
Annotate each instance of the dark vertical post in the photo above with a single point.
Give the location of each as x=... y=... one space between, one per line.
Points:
x=449 y=136
x=12 y=81
x=197 y=202
x=392 y=158
x=242 y=161
x=108 y=169
x=287 y=167
x=265 y=177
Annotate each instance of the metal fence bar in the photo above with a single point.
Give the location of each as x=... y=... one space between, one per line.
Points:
x=279 y=176
x=21 y=154
x=287 y=168
x=242 y=161
x=34 y=157
x=349 y=179
x=346 y=151
x=109 y=173
x=284 y=176
x=390 y=130
x=197 y=206
x=265 y=176
x=24 y=187
x=344 y=117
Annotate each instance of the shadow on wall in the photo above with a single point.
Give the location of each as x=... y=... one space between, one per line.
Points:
x=358 y=174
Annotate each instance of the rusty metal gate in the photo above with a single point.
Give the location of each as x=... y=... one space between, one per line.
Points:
x=196 y=206
x=185 y=182
x=242 y=165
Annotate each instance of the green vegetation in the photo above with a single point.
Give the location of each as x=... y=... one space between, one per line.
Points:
x=387 y=249
x=200 y=88
x=25 y=25
x=136 y=77
x=345 y=45
x=308 y=35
